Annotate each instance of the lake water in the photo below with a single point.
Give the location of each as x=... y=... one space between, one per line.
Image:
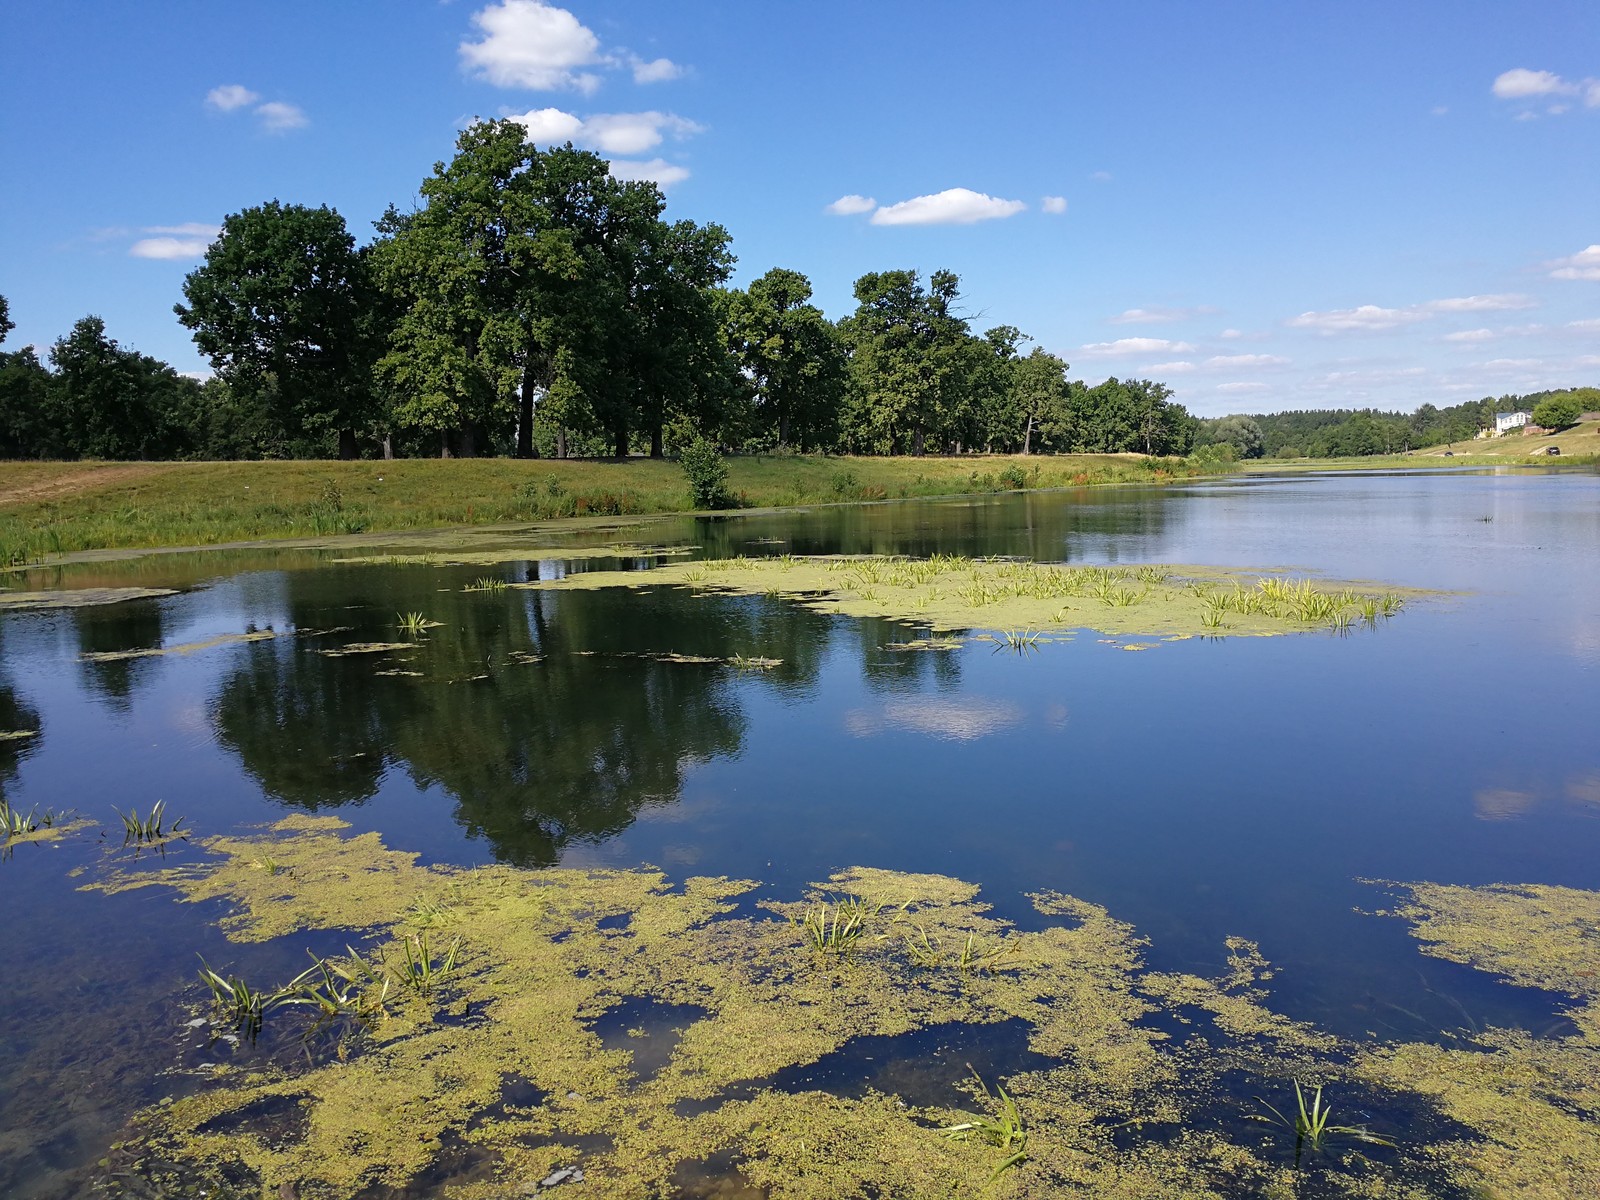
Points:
x=1207 y=788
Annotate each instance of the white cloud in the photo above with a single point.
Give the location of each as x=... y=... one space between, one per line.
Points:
x=277 y=117
x=188 y=240
x=1231 y=334
x=851 y=205
x=1232 y=388
x=1134 y=345
x=1156 y=316
x=1512 y=364
x=657 y=70
x=550 y=125
x=230 y=96
x=1440 y=110
x=1585 y=264
x=1367 y=318
x=1101 y=176
x=953 y=206
x=1470 y=335
x=657 y=171
x=1586 y=324
x=1503 y=302
x=1054 y=205
x=1523 y=84
x=1245 y=360
x=610 y=133
x=1179 y=367
x=532 y=45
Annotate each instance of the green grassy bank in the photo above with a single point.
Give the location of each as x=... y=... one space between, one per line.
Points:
x=49 y=509
x=56 y=508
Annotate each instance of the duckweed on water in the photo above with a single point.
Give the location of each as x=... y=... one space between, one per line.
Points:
x=544 y=956
x=1531 y=1101
x=948 y=593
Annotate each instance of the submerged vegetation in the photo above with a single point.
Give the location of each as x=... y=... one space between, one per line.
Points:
x=1134 y=1083
x=1025 y=599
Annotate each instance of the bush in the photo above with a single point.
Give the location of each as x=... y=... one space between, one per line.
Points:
x=1013 y=476
x=707 y=474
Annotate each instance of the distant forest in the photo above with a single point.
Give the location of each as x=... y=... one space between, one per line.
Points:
x=1347 y=433
x=532 y=304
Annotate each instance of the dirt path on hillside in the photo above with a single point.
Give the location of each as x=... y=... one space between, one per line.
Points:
x=75 y=483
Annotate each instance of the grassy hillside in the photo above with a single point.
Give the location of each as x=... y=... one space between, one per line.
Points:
x=1581 y=440
x=53 y=508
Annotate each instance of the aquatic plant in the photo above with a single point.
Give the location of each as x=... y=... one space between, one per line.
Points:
x=14 y=822
x=353 y=988
x=1005 y=1131
x=1311 y=1125
x=150 y=828
x=836 y=928
x=413 y=623
x=420 y=972
x=1019 y=640
x=486 y=583
x=244 y=1006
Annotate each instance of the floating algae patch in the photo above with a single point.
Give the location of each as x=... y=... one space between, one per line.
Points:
x=57 y=829
x=1532 y=1105
x=750 y=1000
x=366 y=648
x=952 y=593
x=79 y=597
x=211 y=643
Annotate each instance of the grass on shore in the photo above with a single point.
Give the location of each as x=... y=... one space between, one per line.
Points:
x=57 y=508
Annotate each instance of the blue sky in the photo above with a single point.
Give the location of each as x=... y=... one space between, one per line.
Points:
x=1264 y=205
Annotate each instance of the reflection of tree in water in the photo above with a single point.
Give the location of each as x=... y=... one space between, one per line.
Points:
x=15 y=717
x=537 y=754
x=1047 y=526
x=888 y=669
x=133 y=625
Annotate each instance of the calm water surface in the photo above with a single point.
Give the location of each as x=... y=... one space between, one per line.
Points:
x=1201 y=789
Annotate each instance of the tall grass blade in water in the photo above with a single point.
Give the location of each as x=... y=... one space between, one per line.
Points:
x=420 y=972
x=244 y=1006
x=837 y=929
x=151 y=828
x=413 y=623
x=1005 y=1130
x=15 y=823
x=1312 y=1127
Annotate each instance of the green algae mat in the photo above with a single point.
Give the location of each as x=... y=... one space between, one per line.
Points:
x=461 y=1040
x=945 y=593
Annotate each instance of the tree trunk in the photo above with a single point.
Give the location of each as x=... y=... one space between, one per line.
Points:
x=655 y=443
x=388 y=447
x=917 y=442
x=525 y=448
x=561 y=442
x=619 y=440
x=444 y=444
x=347 y=444
x=1027 y=434
x=469 y=440
x=783 y=430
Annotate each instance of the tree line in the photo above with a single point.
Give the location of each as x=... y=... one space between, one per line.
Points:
x=1349 y=433
x=532 y=304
